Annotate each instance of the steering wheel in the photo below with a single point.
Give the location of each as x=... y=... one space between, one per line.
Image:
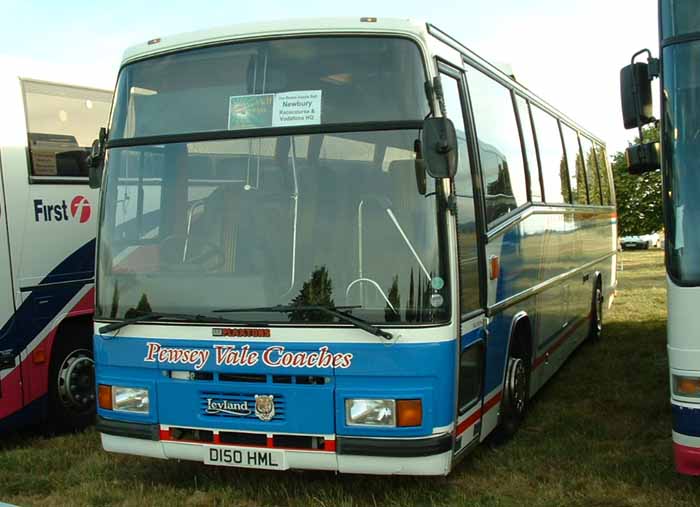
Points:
x=208 y=248
x=373 y=284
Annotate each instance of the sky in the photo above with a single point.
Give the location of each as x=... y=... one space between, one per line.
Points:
x=569 y=52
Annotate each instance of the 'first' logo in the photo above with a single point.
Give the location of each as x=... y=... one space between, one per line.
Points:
x=80 y=210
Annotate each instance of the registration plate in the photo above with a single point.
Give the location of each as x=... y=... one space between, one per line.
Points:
x=247 y=457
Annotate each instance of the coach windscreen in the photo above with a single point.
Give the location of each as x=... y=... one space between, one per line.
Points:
x=212 y=200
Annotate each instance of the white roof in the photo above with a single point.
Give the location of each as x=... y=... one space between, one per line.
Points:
x=286 y=27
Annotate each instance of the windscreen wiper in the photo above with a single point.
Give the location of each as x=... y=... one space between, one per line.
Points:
x=148 y=316
x=335 y=311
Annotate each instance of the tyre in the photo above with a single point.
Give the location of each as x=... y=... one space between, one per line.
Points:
x=72 y=379
x=516 y=396
x=596 y=324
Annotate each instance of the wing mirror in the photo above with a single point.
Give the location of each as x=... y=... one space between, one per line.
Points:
x=439 y=147
x=637 y=110
x=635 y=92
x=642 y=158
x=96 y=159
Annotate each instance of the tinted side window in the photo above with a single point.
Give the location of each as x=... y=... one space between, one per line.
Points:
x=591 y=171
x=602 y=158
x=577 y=173
x=62 y=122
x=554 y=174
x=466 y=222
x=499 y=145
x=529 y=145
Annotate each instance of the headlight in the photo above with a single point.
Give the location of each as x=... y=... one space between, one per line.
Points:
x=686 y=386
x=130 y=399
x=370 y=412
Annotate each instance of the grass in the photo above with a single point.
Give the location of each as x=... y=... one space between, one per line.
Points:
x=598 y=434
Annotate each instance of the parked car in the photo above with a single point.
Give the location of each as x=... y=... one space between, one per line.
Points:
x=644 y=241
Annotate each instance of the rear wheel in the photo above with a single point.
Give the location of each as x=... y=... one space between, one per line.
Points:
x=596 y=326
x=72 y=379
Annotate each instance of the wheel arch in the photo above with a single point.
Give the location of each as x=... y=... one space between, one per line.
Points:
x=520 y=337
x=72 y=324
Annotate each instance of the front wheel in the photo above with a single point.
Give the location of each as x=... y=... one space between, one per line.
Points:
x=516 y=394
x=71 y=382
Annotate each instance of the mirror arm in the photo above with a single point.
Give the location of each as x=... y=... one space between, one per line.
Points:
x=437 y=87
x=653 y=72
x=430 y=96
x=451 y=204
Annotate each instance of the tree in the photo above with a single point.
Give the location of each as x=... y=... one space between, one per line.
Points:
x=318 y=291
x=639 y=198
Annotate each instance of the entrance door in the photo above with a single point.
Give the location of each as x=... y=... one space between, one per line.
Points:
x=471 y=342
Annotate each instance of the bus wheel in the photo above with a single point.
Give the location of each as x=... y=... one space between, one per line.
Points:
x=596 y=328
x=516 y=391
x=72 y=383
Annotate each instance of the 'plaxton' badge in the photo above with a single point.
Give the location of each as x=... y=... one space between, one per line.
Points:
x=247 y=332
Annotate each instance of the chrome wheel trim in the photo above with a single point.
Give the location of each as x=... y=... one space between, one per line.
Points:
x=516 y=384
x=76 y=381
x=598 y=310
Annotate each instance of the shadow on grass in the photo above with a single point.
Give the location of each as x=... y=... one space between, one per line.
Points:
x=282 y=488
x=32 y=434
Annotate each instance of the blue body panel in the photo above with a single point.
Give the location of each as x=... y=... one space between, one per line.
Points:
x=686 y=420
x=423 y=371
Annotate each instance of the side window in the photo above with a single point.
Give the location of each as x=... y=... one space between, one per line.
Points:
x=554 y=174
x=577 y=173
x=62 y=122
x=466 y=221
x=470 y=367
x=591 y=171
x=499 y=145
x=602 y=159
x=529 y=145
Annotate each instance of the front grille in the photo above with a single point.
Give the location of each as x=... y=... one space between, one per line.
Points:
x=298 y=442
x=191 y=435
x=238 y=377
x=309 y=442
x=309 y=380
x=240 y=438
x=237 y=405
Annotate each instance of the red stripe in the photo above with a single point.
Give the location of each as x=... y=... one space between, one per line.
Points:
x=11 y=394
x=270 y=442
x=472 y=419
x=86 y=305
x=687 y=459
x=571 y=330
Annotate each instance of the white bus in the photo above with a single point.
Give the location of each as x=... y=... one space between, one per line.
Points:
x=345 y=244
x=48 y=217
x=679 y=69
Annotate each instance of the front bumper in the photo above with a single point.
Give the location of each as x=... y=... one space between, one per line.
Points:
x=409 y=456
